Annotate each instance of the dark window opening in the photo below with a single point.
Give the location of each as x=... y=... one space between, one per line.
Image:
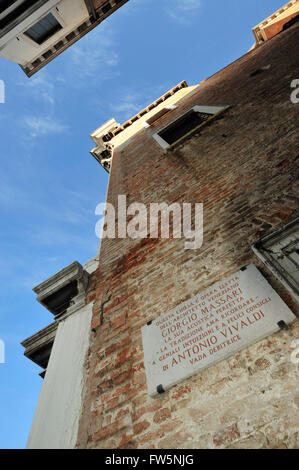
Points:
x=36 y=63
x=59 y=45
x=183 y=125
x=106 y=8
x=107 y=137
x=47 y=54
x=82 y=27
x=105 y=154
x=43 y=29
x=70 y=36
x=291 y=22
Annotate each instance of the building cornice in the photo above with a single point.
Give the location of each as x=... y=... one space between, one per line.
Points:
x=38 y=347
x=108 y=136
x=103 y=10
x=276 y=22
x=64 y=293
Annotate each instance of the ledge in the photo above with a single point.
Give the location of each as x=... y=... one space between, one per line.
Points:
x=64 y=293
x=38 y=347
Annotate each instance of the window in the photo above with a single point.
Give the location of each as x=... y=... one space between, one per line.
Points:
x=185 y=124
x=280 y=252
x=43 y=29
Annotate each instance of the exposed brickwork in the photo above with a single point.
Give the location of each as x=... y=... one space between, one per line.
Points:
x=243 y=168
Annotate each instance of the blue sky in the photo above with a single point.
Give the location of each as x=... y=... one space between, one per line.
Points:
x=50 y=184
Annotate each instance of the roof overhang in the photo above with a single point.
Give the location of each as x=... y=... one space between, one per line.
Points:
x=276 y=22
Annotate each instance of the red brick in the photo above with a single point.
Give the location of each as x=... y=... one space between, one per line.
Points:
x=226 y=435
x=119 y=377
x=140 y=427
x=162 y=415
x=110 y=404
x=180 y=392
x=125 y=440
x=120 y=390
x=154 y=406
x=109 y=430
x=96 y=321
x=119 y=321
x=124 y=356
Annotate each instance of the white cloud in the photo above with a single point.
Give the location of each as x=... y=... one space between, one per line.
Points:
x=71 y=208
x=44 y=125
x=94 y=56
x=127 y=103
x=182 y=11
x=41 y=87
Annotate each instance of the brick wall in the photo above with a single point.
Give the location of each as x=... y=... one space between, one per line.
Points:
x=242 y=167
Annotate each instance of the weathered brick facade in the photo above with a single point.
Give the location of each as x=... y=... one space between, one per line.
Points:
x=242 y=167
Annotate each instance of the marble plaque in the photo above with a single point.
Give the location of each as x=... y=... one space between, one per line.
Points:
x=220 y=321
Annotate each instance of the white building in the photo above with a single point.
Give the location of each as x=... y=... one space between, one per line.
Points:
x=34 y=32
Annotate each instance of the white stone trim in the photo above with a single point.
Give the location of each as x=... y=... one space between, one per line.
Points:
x=209 y=109
x=271 y=251
x=198 y=109
x=161 y=141
x=53 y=285
x=56 y=419
x=169 y=107
x=146 y=125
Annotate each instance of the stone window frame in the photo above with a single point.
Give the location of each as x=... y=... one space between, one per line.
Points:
x=59 y=20
x=279 y=252
x=215 y=111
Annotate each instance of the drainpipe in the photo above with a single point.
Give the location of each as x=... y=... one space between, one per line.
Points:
x=91 y=5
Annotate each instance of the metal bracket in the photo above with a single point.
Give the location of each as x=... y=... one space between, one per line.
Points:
x=149 y=322
x=92 y=8
x=160 y=389
x=282 y=325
